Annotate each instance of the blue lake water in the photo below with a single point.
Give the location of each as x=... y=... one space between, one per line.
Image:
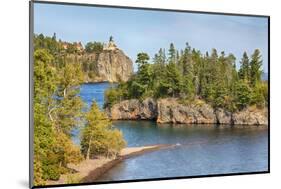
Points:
x=90 y=92
x=203 y=149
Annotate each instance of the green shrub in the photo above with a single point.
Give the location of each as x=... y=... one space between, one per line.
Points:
x=51 y=172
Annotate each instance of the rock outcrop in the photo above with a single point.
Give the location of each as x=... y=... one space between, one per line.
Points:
x=113 y=66
x=223 y=116
x=105 y=66
x=250 y=116
x=133 y=110
x=171 y=111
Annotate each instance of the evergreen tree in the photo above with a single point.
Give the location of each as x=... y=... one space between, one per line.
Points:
x=142 y=82
x=172 y=83
x=67 y=112
x=187 y=71
x=142 y=59
x=186 y=60
x=94 y=47
x=243 y=94
x=98 y=137
x=172 y=54
x=244 y=71
x=255 y=68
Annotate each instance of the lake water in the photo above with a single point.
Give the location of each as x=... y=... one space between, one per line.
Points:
x=202 y=150
x=90 y=92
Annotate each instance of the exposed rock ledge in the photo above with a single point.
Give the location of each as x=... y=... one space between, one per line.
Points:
x=108 y=65
x=171 y=111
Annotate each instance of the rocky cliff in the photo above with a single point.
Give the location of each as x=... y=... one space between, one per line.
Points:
x=133 y=110
x=171 y=111
x=113 y=66
x=105 y=66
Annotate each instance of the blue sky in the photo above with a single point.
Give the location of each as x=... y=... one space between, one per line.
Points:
x=137 y=31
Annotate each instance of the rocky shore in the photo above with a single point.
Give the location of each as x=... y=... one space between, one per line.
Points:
x=169 y=110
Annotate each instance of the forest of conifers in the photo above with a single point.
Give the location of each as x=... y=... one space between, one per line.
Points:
x=188 y=74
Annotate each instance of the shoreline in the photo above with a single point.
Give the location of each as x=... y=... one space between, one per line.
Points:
x=192 y=124
x=90 y=170
x=170 y=110
x=126 y=153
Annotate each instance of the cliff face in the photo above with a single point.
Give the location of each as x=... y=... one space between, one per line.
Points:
x=170 y=111
x=133 y=110
x=113 y=66
x=251 y=117
x=106 y=66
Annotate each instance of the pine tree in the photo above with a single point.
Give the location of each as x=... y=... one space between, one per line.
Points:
x=142 y=59
x=98 y=137
x=172 y=54
x=172 y=83
x=244 y=71
x=242 y=94
x=255 y=68
x=142 y=82
x=185 y=61
x=67 y=112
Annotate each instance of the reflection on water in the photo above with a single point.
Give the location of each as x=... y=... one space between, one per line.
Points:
x=203 y=149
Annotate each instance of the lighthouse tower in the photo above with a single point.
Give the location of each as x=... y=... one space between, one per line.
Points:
x=111 y=45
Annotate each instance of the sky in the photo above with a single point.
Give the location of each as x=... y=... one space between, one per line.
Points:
x=147 y=31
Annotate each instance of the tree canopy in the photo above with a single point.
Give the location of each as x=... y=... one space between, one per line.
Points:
x=58 y=109
x=188 y=74
x=98 y=136
x=91 y=47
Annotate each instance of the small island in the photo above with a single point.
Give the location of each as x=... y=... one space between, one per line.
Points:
x=189 y=87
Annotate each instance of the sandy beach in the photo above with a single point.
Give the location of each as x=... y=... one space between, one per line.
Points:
x=90 y=170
